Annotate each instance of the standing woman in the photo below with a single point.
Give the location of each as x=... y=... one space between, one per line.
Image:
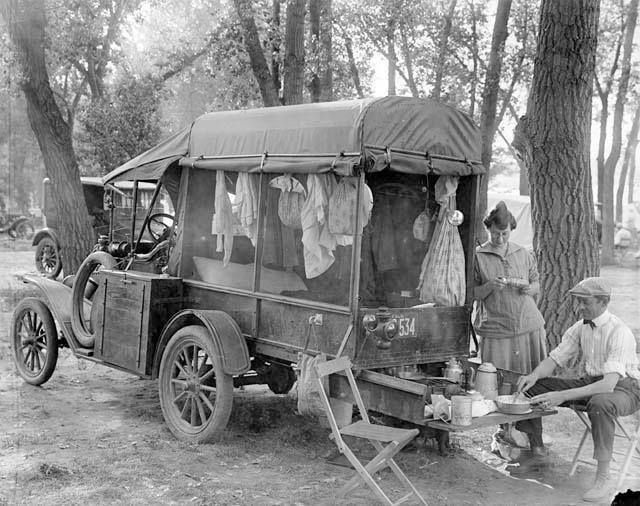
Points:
x=506 y=276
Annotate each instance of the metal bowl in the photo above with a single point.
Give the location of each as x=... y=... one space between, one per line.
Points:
x=511 y=405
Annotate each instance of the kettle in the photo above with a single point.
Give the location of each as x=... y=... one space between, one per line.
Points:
x=454 y=370
x=485 y=380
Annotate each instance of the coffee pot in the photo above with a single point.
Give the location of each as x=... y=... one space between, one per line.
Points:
x=454 y=370
x=485 y=380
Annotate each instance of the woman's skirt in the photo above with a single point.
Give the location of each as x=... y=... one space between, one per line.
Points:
x=520 y=354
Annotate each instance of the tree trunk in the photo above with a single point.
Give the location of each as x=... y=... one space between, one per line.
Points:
x=602 y=140
x=608 y=229
x=490 y=104
x=315 y=87
x=293 y=73
x=603 y=94
x=353 y=68
x=391 y=59
x=629 y=153
x=408 y=61
x=632 y=172
x=554 y=139
x=253 y=46
x=26 y=23
x=442 y=51
x=475 y=56
x=275 y=47
x=326 y=50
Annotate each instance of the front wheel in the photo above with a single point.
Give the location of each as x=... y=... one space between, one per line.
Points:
x=34 y=340
x=196 y=395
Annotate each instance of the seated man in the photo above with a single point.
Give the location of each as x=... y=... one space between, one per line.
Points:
x=610 y=387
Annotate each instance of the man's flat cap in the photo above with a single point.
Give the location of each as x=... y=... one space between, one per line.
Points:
x=590 y=287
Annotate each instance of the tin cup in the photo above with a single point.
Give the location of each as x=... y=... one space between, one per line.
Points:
x=460 y=410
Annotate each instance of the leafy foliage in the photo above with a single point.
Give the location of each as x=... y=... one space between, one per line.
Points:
x=121 y=125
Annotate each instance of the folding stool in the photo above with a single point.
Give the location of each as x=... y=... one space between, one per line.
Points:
x=632 y=438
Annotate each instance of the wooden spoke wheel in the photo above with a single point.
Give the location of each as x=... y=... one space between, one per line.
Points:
x=196 y=395
x=48 y=261
x=34 y=340
x=24 y=230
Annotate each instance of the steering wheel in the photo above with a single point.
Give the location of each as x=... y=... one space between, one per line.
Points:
x=158 y=229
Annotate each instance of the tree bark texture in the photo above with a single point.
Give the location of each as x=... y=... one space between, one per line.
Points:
x=315 y=87
x=608 y=229
x=293 y=74
x=326 y=50
x=26 y=22
x=490 y=103
x=629 y=154
x=554 y=139
x=257 y=59
x=275 y=46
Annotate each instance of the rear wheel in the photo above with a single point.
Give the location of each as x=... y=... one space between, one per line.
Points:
x=35 y=341
x=24 y=230
x=48 y=261
x=196 y=395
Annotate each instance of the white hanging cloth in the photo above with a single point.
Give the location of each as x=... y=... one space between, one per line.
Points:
x=318 y=242
x=247 y=204
x=222 y=223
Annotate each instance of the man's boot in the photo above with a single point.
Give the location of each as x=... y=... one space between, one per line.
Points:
x=601 y=490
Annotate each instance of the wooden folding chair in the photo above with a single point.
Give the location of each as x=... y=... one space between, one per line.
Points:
x=393 y=438
x=631 y=441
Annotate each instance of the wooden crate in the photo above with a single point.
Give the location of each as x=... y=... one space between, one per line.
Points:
x=133 y=307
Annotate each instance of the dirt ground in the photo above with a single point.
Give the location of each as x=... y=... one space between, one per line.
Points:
x=93 y=435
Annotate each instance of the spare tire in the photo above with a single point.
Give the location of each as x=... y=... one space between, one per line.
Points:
x=86 y=336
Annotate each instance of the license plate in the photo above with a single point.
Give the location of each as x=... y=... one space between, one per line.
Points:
x=406 y=327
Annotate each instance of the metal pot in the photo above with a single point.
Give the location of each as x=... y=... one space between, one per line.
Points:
x=453 y=371
x=485 y=380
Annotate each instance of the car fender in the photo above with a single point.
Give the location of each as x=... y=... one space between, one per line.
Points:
x=18 y=221
x=225 y=334
x=57 y=297
x=46 y=232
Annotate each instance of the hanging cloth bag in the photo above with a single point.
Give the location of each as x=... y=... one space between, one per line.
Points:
x=424 y=224
x=442 y=279
x=309 y=399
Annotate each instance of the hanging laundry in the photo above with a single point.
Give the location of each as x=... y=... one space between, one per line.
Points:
x=222 y=223
x=247 y=204
x=291 y=199
x=342 y=204
x=318 y=242
x=279 y=245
